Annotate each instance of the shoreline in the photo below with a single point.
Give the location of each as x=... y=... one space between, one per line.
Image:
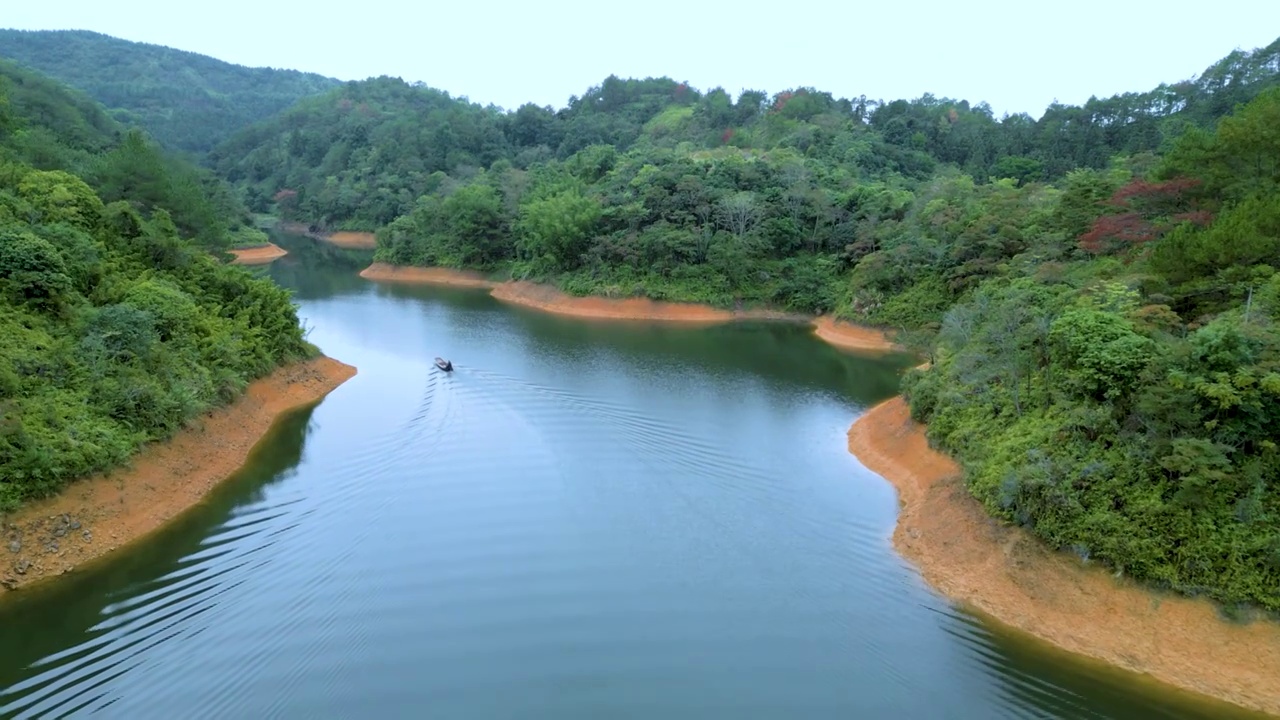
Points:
x=260 y=255
x=93 y=516
x=552 y=300
x=1006 y=573
x=346 y=239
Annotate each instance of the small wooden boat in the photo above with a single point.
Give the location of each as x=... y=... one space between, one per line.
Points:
x=445 y=365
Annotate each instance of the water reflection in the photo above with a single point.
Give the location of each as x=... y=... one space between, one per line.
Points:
x=91 y=602
x=584 y=520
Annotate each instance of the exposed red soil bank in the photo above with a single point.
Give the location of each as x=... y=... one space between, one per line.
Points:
x=352 y=240
x=853 y=337
x=94 y=516
x=1005 y=572
x=550 y=299
x=258 y=255
x=387 y=272
x=341 y=238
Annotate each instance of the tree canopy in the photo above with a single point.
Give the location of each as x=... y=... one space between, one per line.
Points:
x=188 y=102
x=1097 y=289
x=115 y=327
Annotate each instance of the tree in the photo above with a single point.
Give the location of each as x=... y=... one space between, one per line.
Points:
x=739 y=213
x=1144 y=211
x=1098 y=352
x=60 y=197
x=558 y=227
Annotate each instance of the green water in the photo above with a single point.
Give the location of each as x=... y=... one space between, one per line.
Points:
x=585 y=520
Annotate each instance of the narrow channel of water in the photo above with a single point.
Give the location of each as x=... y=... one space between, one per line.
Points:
x=586 y=519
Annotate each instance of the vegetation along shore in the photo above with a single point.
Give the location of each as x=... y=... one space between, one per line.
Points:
x=1005 y=572
x=136 y=368
x=1096 y=292
x=547 y=298
x=101 y=513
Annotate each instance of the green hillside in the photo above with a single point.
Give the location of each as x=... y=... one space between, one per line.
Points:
x=115 y=328
x=1099 y=289
x=186 y=101
x=63 y=129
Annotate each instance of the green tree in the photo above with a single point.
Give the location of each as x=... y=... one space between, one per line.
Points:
x=558 y=228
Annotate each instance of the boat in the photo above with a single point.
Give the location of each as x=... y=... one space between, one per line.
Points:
x=445 y=365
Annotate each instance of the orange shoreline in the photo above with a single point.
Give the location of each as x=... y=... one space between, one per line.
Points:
x=349 y=239
x=352 y=240
x=93 y=516
x=260 y=255
x=549 y=299
x=1006 y=573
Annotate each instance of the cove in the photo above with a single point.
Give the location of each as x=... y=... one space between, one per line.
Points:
x=585 y=519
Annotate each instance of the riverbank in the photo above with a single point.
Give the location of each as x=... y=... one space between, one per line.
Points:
x=349 y=239
x=260 y=255
x=1006 y=573
x=96 y=515
x=549 y=299
x=386 y=272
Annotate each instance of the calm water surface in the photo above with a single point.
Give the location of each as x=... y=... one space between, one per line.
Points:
x=584 y=520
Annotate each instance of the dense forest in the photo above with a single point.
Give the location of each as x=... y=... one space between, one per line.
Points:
x=1097 y=288
x=186 y=101
x=66 y=130
x=118 y=320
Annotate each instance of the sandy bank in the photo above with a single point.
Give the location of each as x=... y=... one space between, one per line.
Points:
x=549 y=299
x=258 y=255
x=853 y=337
x=1008 y=574
x=350 y=239
x=387 y=272
x=552 y=300
x=94 y=516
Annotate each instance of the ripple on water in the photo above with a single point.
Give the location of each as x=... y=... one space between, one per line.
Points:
x=489 y=538
x=152 y=614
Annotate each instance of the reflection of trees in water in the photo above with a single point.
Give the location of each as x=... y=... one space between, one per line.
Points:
x=44 y=620
x=1022 y=664
x=315 y=269
x=778 y=351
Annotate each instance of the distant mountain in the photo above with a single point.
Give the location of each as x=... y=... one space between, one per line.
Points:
x=360 y=155
x=186 y=101
x=363 y=153
x=48 y=126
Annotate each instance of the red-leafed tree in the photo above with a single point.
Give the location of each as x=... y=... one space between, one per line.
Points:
x=1143 y=211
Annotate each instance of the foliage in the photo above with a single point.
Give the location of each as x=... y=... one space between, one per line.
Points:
x=55 y=128
x=1097 y=289
x=114 y=330
x=1128 y=411
x=188 y=102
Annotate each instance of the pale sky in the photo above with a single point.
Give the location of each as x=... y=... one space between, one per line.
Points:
x=1017 y=56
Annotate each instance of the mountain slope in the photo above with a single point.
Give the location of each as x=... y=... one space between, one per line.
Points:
x=185 y=100
x=363 y=153
x=115 y=329
x=52 y=127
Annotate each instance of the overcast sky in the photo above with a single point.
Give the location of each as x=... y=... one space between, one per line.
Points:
x=1017 y=56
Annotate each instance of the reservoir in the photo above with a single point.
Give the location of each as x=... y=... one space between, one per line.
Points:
x=585 y=519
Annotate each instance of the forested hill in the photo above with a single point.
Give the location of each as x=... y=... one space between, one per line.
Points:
x=363 y=153
x=57 y=128
x=1099 y=292
x=115 y=328
x=186 y=101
